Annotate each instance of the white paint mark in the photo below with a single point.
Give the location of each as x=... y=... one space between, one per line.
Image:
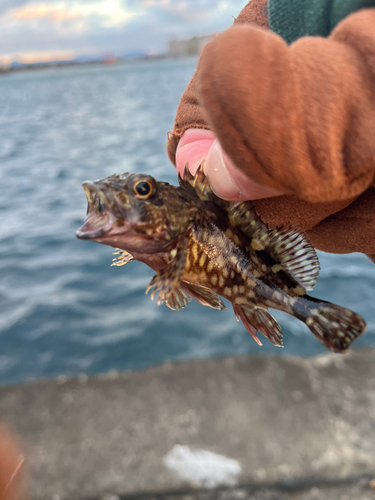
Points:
x=203 y=467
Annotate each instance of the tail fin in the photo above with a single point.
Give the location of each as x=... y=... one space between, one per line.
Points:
x=334 y=326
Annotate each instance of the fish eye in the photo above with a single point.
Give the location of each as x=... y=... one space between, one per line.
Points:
x=143 y=189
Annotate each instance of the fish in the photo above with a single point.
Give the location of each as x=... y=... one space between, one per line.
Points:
x=206 y=248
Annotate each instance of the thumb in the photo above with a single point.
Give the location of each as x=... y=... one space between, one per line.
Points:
x=230 y=183
x=193 y=148
x=226 y=180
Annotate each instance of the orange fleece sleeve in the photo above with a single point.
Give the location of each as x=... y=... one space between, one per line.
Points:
x=189 y=112
x=299 y=119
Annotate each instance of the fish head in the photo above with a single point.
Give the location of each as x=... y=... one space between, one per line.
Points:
x=134 y=212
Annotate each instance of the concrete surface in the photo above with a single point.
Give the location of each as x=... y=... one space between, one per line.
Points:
x=344 y=490
x=255 y=424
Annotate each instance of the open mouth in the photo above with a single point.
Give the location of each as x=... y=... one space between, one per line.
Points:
x=99 y=220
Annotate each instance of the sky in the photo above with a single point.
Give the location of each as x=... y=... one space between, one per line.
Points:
x=43 y=30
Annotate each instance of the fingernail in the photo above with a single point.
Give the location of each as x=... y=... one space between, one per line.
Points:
x=216 y=170
x=192 y=149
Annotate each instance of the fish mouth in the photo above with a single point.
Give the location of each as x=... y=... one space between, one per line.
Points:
x=94 y=227
x=101 y=212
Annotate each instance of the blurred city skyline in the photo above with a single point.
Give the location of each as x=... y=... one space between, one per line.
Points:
x=40 y=30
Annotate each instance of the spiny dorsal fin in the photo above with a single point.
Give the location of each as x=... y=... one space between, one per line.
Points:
x=243 y=216
x=186 y=179
x=198 y=182
x=186 y=176
x=204 y=295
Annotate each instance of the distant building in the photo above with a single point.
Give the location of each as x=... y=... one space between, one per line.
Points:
x=190 y=47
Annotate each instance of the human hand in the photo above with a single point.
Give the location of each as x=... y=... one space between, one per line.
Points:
x=11 y=467
x=289 y=120
x=226 y=180
x=281 y=113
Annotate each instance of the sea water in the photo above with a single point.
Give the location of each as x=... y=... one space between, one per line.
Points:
x=63 y=309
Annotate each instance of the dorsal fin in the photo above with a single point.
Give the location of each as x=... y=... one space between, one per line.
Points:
x=288 y=246
x=198 y=182
x=185 y=179
x=296 y=255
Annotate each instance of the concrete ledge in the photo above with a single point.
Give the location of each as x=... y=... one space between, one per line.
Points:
x=249 y=420
x=348 y=489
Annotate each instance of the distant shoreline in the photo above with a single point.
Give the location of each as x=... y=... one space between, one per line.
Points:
x=178 y=49
x=102 y=62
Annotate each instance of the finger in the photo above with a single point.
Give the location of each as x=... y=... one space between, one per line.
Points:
x=230 y=183
x=193 y=148
x=11 y=466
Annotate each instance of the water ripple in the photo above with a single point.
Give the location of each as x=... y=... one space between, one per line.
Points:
x=63 y=309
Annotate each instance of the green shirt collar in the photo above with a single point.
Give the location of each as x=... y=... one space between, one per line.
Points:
x=293 y=19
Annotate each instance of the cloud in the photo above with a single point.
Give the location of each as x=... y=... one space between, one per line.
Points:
x=6 y=5
x=111 y=12
x=198 y=14
x=55 y=14
x=108 y=12
x=101 y=26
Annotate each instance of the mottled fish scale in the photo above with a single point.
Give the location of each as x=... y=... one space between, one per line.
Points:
x=203 y=247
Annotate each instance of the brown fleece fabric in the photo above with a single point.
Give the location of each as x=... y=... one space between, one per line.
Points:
x=298 y=118
x=189 y=112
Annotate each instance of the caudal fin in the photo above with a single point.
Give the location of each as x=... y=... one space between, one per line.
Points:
x=334 y=326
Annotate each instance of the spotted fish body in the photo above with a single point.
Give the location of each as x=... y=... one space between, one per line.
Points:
x=203 y=247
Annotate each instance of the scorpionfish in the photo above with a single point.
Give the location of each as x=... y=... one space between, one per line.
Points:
x=203 y=247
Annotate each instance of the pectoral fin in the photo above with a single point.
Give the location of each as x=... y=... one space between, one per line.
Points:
x=168 y=280
x=123 y=257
